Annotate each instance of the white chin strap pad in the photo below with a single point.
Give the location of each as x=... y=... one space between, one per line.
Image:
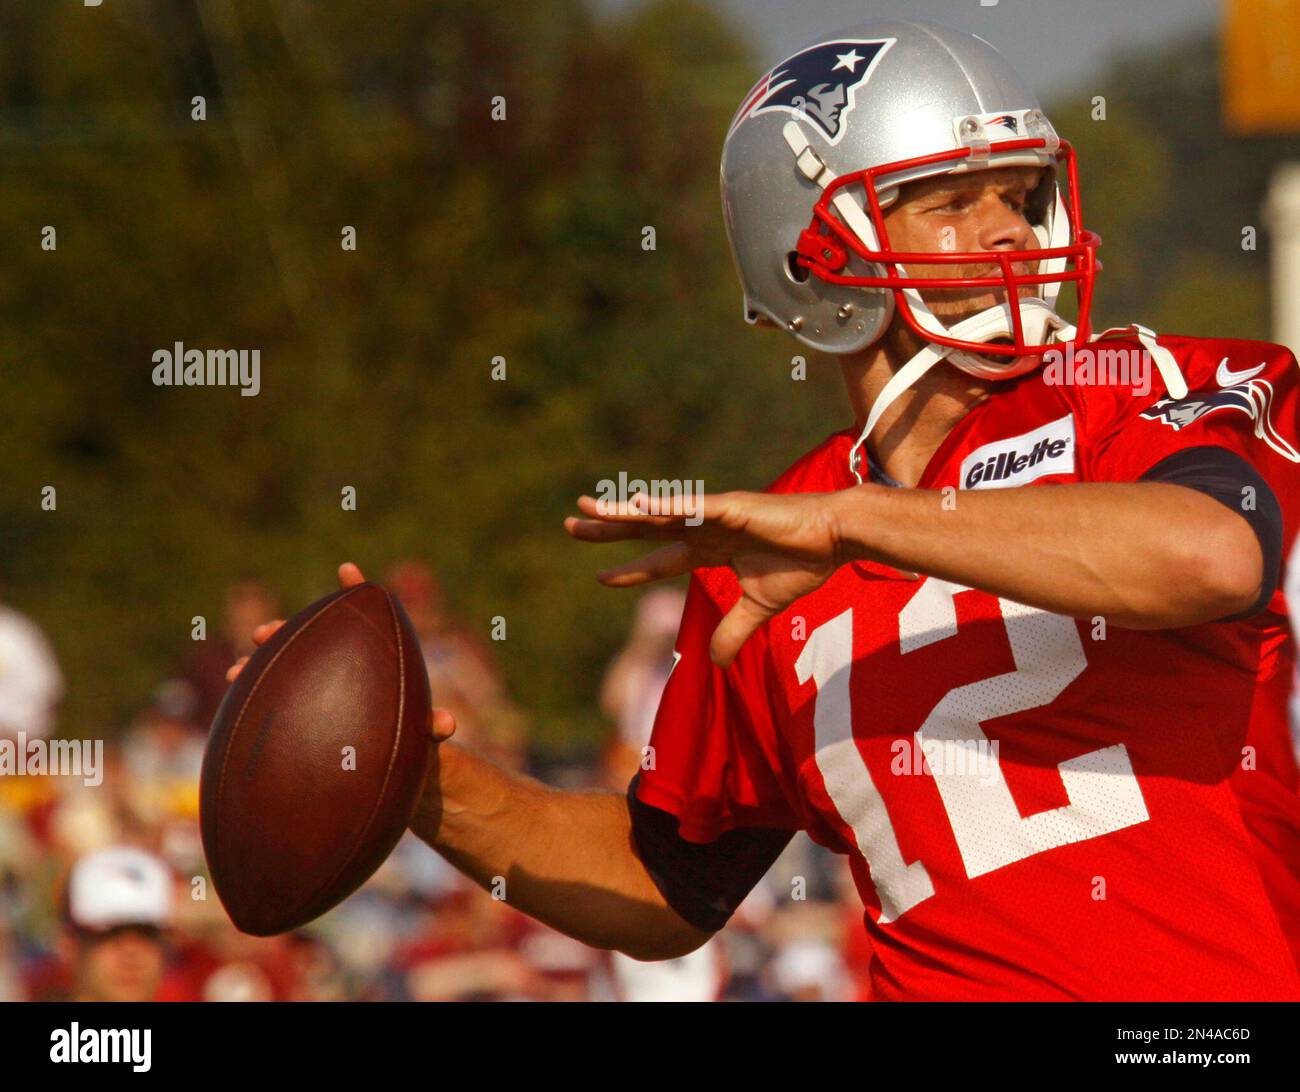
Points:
x=1037 y=319
x=1039 y=324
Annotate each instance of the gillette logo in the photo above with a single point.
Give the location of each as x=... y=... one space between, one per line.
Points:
x=1021 y=459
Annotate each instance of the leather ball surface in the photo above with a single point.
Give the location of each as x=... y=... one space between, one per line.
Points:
x=315 y=760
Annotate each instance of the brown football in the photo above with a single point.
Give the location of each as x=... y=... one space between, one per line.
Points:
x=315 y=760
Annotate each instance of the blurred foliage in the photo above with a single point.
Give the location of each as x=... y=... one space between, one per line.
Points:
x=476 y=239
x=1170 y=192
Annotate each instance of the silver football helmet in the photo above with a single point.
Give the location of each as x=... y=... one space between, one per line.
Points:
x=817 y=152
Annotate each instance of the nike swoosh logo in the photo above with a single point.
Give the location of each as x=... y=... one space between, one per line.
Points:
x=1226 y=377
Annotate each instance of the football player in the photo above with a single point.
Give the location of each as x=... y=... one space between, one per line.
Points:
x=1014 y=643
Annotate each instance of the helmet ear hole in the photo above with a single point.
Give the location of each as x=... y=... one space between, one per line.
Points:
x=796 y=272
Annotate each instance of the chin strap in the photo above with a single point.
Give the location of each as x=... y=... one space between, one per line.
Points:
x=1037 y=321
x=1170 y=373
x=905 y=377
x=991 y=323
x=911 y=372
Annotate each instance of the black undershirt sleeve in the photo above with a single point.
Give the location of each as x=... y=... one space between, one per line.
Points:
x=703 y=883
x=1225 y=476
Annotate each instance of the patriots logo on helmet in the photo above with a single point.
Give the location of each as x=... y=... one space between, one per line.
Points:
x=1007 y=121
x=816 y=85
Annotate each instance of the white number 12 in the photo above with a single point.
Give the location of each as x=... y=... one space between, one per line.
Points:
x=990 y=831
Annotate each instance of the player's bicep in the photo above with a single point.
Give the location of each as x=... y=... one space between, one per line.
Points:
x=1232 y=438
x=1227 y=477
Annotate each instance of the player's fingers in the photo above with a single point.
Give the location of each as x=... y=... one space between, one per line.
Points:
x=443 y=725
x=661 y=564
x=232 y=672
x=264 y=632
x=618 y=512
x=735 y=629
x=686 y=505
x=350 y=575
x=597 y=530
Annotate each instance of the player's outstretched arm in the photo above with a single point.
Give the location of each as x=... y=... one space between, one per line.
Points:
x=1143 y=555
x=564 y=858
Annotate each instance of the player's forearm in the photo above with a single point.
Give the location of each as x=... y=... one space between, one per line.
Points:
x=1143 y=555
x=565 y=858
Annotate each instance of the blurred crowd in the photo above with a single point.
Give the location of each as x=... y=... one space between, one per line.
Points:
x=104 y=892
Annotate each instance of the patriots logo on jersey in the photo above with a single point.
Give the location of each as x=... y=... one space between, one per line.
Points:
x=1253 y=398
x=816 y=85
x=1178 y=415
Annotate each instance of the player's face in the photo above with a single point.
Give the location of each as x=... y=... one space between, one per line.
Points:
x=982 y=211
x=124 y=965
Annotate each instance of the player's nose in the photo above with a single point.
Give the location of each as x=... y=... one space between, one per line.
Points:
x=1004 y=228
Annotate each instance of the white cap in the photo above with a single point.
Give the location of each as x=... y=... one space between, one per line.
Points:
x=696 y=976
x=806 y=964
x=120 y=886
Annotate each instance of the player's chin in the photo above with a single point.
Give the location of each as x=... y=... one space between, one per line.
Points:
x=952 y=311
x=953 y=305
x=958 y=304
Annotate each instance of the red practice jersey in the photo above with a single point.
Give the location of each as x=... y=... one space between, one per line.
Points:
x=1034 y=807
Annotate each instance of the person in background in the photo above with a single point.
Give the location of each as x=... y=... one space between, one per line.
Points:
x=699 y=976
x=248 y=602
x=11 y=979
x=809 y=969
x=31 y=684
x=463 y=674
x=315 y=972
x=629 y=697
x=162 y=754
x=468 y=949
x=118 y=908
x=635 y=680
